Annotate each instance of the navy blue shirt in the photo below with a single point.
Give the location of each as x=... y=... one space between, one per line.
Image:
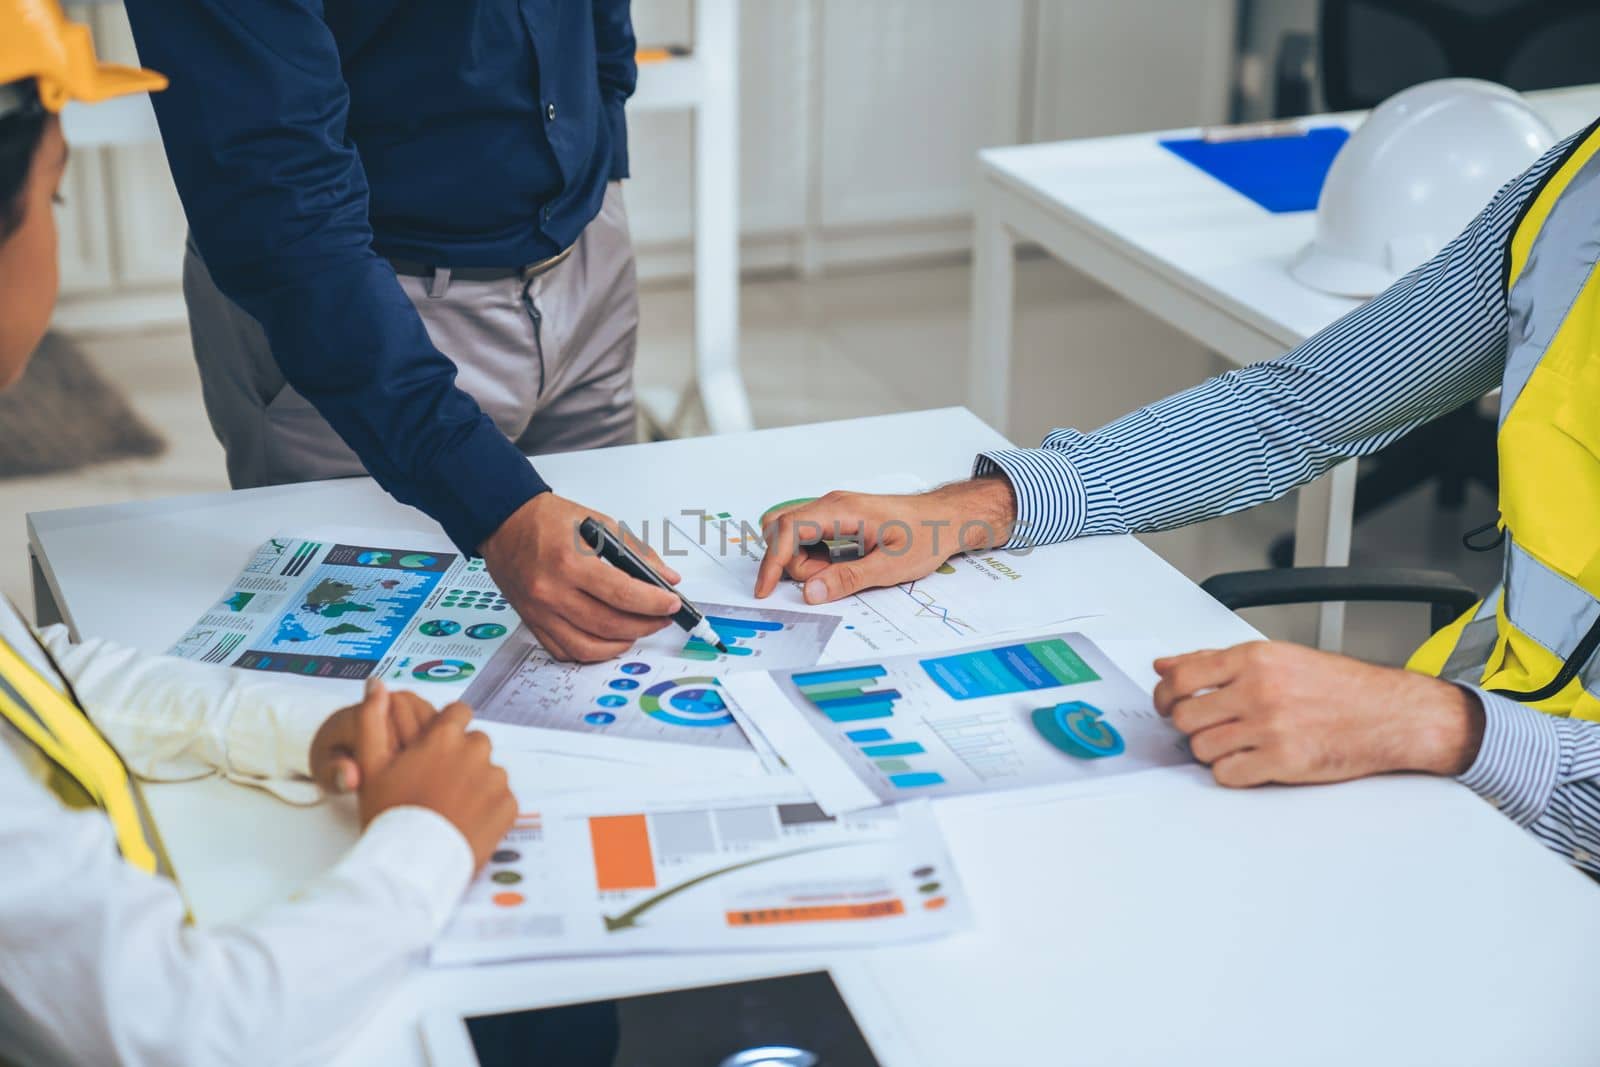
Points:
x=311 y=139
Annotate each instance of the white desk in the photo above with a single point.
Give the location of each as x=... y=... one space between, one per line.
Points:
x=1393 y=921
x=1186 y=248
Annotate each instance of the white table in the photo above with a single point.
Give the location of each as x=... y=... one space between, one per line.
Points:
x=1392 y=921
x=1184 y=247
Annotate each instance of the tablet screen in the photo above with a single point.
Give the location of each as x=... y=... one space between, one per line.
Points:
x=794 y=1021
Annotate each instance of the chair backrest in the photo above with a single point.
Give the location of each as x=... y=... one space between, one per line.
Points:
x=1371 y=49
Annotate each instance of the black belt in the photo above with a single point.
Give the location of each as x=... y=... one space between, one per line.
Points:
x=413 y=268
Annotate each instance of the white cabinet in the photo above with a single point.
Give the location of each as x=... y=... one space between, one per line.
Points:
x=910 y=90
x=122 y=225
x=1105 y=68
x=148 y=225
x=84 y=225
x=774 y=83
x=859 y=120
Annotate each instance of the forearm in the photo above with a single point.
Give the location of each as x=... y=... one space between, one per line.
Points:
x=294 y=983
x=1433 y=341
x=172 y=720
x=351 y=342
x=99 y=956
x=987 y=507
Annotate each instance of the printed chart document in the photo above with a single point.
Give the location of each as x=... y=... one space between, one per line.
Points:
x=967 y=598
x=661 y=700
x=1044 y=710
x=696 y=870
x=406 y=607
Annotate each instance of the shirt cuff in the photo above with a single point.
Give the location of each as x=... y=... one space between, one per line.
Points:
x=417 y=849
x=267 y=739
x=472 y=488
x=269 y=733
x=1051 y=499
x=1519 y=760
x=617 y=118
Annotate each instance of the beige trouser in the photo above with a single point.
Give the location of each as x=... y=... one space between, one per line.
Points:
x=548 y=358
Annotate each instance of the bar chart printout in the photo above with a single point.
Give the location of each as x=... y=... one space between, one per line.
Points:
x=850 y=694
x=764 y=637
x=1048 y=710
x=750 y=872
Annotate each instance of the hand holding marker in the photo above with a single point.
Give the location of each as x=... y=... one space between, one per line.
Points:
x=611 y=549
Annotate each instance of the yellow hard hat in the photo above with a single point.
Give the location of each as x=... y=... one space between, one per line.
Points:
x=37 y=41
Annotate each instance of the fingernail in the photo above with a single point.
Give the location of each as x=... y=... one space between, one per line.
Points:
x=344 y=780
x=816 y=592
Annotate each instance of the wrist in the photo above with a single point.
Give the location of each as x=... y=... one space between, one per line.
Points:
x=517 y=524
x=1448 y=730
x=983 y=509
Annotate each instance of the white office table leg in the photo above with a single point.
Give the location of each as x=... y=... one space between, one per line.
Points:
x=993 y=294
x=1324 y=515
x=716 y=215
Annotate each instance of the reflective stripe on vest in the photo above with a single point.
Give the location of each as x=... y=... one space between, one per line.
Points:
x=56 y=726
x=1534 y=637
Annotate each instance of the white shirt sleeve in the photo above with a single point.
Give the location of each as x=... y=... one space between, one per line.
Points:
x=173 y=720
x=98 y=966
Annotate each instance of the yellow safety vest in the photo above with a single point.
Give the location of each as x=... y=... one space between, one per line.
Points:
x=77 y=763
x=1534 y=636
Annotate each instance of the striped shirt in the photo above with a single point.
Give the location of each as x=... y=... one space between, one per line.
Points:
x=1433 y=341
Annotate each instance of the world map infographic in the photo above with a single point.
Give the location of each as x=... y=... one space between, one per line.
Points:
x=352 y=609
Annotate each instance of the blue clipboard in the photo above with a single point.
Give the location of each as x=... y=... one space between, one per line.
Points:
x=1281 y=174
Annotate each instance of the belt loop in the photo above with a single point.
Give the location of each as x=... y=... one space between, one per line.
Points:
x=439 y=284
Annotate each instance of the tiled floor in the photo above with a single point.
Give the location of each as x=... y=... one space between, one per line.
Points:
x=847 y=344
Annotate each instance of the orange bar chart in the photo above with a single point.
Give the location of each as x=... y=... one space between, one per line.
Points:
x=814 y=913
x=622 y=858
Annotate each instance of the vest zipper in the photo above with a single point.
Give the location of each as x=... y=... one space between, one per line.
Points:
x=1569 y=670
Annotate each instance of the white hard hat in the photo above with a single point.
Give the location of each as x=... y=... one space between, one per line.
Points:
x=1422 y=165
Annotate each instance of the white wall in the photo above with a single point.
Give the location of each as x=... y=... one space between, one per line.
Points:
x=859 y=124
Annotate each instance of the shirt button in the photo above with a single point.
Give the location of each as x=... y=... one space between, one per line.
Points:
x=547 y=213
x=1581 y=856
x=550 y=112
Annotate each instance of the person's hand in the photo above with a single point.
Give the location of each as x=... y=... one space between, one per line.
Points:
x=447 y=770
x=579 y=606
x=340 y=763
x=902 y=538
x=1276 y=712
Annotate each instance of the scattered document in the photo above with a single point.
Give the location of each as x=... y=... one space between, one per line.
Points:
x=697 y=869
x=655 y=701
x=1034 y=711
x=345 y=607
x=970 y=596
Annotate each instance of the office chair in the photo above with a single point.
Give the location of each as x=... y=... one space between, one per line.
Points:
x=1368 y=50
x=1446 y=594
